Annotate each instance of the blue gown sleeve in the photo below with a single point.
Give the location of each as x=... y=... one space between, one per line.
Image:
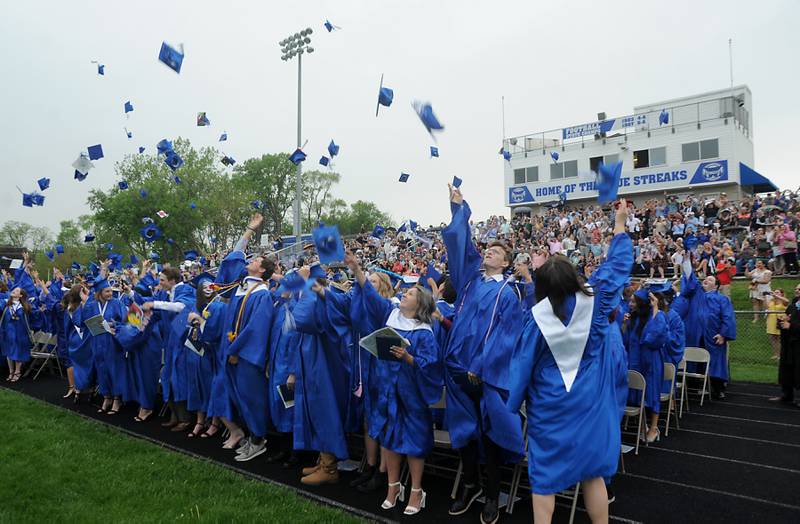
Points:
x=338 y=305
x=611 y=276
x=655 y=333
x=308 y=314
x=232 y=268
x=463 y=259
x=728 y=329
x=428 y=369
x=376 y=307
x=524 y=359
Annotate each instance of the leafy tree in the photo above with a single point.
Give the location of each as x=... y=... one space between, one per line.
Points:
x=362 y=216
x=15 y=233
x=317 y=187
x=270 y=180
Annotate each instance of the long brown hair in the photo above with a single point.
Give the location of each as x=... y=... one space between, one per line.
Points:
x=72 y=298
x=23 y=300
x=556 y=279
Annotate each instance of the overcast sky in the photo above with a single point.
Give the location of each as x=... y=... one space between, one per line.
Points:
x=556 y=63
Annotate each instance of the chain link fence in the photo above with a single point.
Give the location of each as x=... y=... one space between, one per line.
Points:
x=753 y=355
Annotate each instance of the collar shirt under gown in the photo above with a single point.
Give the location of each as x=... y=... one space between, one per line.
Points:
x=645 y=356
x=79 y=348
x=706 y=314
x=283 y=356
x=143 y=348
x=405 y=391
x=108 y=356
x=17 y=327
x=566 y=376
x=486 y=326
x=322 y=383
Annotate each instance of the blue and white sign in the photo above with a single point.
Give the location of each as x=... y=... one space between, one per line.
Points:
x=710 y=172
x=604 y=126
x=519 y=195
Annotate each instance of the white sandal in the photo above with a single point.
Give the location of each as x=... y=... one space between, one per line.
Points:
x=401 y=496
x=411 y=510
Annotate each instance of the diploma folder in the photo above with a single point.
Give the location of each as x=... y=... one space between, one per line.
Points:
x=287 y=395
x=380 y=342
x=97 y=325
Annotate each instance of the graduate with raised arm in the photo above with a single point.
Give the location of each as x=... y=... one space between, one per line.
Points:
x=143 y=343
x=51 y=297
x=564 y=371
x=709 y=323
x=20 y=318
x=485 y=329
x=407 y=385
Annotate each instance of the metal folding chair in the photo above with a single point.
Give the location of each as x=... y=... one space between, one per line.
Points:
x=669 y=398
x=636 y=382
x=698 y=356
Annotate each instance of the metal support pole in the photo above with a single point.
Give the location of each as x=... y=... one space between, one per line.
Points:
x=298 y=182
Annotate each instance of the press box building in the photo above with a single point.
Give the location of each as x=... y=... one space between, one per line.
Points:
x=700 y=144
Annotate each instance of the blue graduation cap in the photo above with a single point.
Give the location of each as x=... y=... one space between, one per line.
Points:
x=329 y=244
x=50 y=255
x=202 y=119
x=192 y=205
x=427 y=117
x=385 y=97
x=256 y=204
x=434 y=152
x=554 y=155
x=141 y=149
x=108 y=245
x=32 y=199
x=153 y=256
x=329 y=26
x=324 y=161
x=44 y=183
x=456 y=181
x=123 y=185
x=172 y=57
x=173 y=160
x=404 y=177
x=128 y=133
x=333 y=149
x=38 y=200
x=80 y=177
x=297 y=157
x=75 y=266
x=190 y=255
x=223 y=137
x=176 y=179
x=150 y=233
x=59 y=249
x=134 y=259
x=164 y=146
x=143 y=193
x=128 y=107
x=506 y=155
x=95 y=152
x=100 y=284
x=101 y=69
x=202 y=278
x=663 y=118
x=661 y=287
x=228 y=160
x=317 y=271
x=643 y=293
x=93 y=268
x=378 y=231
x=170 y=241
x=88 y=238
x=608 y=182
x=431 y=272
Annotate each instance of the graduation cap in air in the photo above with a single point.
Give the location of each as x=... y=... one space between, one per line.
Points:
x=128 y=107
x=190 y=255
x=108 y=245
x=317 y=271
x=329 y=26
x=101 y=69
x=170 y=241
x=153 y=256
x=162 y=214
x=32 y=199
x=176 y=179
x=143 y=193
x=202 y=119
x=329 y=244
x=297 y=157
x=378 y=231
x=88 y=238
x=223 y=137
x=128 y=133
x=150 y=233
x=506 y=155
x=427 y=117
x=82 y=164
x=333 y=149
x=50 y=255
x=123 y=185
x=456 y=181
x=663 y=118
x=173 y=160
x=431 y=272
x=434 y=152
x=59 y=249
x=192 y=205
x=75 y=266
x=164 y=146
x=404 y=177
x=256 y=204
x=173 y=58
x=608 y=182
x=228 y=160
x=141 y=149
x=324 y=161
x=95 y=152
x=385 y=97
x=80 y=177
x=44 y=183
x=554 y=155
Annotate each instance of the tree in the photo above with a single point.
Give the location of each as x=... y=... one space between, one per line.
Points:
x=69 y=233
x=316 y=192
x=15 y=233
x=270 y=180
x=362 y=216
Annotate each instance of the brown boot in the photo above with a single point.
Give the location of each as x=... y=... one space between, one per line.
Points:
x=327 y=473
x=312 y=469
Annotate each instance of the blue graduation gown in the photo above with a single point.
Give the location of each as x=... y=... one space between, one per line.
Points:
x=573 y=434
x=321 y=387
x=79 y=348
x=246 y=382
x=144 y=362
x=200 y=370
x=109 y=357
x=283 y=353
x=174 y=380
x=705 y=315
x=17 y=327
x=645 y=356
x=482 y=306
x=405 y=391
x=672 y=351
x=55 y=314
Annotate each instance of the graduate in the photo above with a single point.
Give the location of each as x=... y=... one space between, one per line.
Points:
x=19 y=319
x=174 y=311
x=709 y=323
x=672 y=351
x=108 y=356
x=143 y=344
x=645 y=334
x=407 y=386
x=485 y=329
x=564 y=371
x=53 y=300
x=79 y=345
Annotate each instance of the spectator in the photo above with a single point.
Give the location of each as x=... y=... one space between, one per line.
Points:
x=760 y=279
x=787 y=242
x=776 y=305
x=726 y=270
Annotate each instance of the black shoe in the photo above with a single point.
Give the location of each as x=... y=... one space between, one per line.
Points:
x=292 y=461
x=278 y=456
x=611 y=496
x=719 y=395
x=465 y=499
x=376 y=482
x=490 y=513
x=365 y=475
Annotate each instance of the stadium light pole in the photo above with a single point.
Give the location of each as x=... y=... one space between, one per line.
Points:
x=295 y=46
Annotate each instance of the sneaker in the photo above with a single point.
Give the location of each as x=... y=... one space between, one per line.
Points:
x=490 y=512
x=252 y=451
x=243 y=446
x=467 y=496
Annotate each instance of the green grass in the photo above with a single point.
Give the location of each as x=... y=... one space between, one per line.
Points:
x=56 y=467
x=750 y=353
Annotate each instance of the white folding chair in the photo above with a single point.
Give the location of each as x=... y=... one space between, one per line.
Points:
x=636 y=382
x=698 y=356
x=43 y=349
x=669 y=398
